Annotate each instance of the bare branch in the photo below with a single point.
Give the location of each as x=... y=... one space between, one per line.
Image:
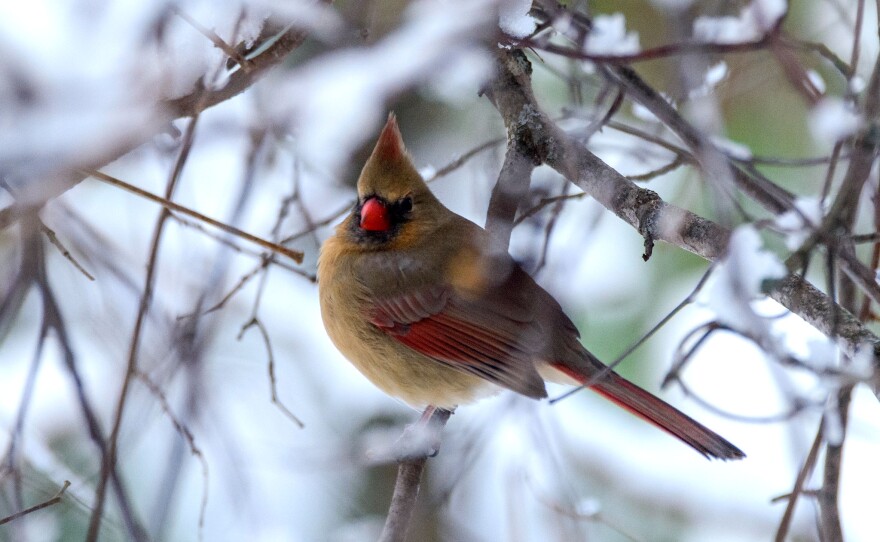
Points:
x=654 y=218
x=406 y=488
x=218 y=42
x=509 y=191
x=187 y=435
x=50 y=234
x=806 y=470
x=828 y=495
x=109 y=458
x=717 y=166
x=283 y=42
x=169 y=205
x=273 y=384
x=53 y=501
x=199 y=100
x=33 y=272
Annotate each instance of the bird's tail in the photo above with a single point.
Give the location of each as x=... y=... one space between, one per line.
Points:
x=645 y=405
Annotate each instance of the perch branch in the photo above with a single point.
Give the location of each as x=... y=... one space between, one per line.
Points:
x=406 y=487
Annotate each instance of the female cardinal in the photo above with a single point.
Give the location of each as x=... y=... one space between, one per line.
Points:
x=431 y=310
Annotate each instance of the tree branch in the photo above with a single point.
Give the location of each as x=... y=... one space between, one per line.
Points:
x=132 y=370
x=521 y=158
x=792 y=498
x=45 y=504
x=185 y=106
x=644 y=210
x=409 y=476
x=169 y=205
x=197 y=101
x=34 y=272
x=828 y=496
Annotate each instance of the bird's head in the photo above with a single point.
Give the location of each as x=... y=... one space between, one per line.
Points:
x=394 y=203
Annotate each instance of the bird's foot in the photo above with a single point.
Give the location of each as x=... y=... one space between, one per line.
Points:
x=422 y=439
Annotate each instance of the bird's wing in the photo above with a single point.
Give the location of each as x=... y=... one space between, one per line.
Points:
x=487 y=335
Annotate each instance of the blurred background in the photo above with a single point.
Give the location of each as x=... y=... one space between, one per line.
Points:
x=206 y=453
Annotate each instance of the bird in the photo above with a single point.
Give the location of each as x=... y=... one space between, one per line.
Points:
x=435 y=312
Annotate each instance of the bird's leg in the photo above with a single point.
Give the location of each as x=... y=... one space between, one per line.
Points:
x=426 y=414
x=422 y=439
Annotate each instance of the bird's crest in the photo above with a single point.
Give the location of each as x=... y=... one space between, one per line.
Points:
x=389 y=173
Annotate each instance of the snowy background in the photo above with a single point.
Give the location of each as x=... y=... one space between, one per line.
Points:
x=79 y=84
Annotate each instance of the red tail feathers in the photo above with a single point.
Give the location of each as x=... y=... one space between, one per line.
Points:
x=663 y=415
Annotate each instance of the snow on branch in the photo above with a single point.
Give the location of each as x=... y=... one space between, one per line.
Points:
x=644 y=210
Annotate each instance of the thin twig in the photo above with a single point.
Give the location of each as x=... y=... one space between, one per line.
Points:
x=592 y=516
x=53 y=501
x=625 y=354
x=218 y=42
x=109 y=459
x=461 y=160
x=332 y=217
x=11 y=456
x=549 y=227
x=50 y=234
x=187 y=435
x=544 y=202
x=679 y=161
x=654 y=53
x=828 y=495
x=242 y=282
x=277 y=48
x=230 y=244
x=273 y=383
x=169 y=205
x=803 y=475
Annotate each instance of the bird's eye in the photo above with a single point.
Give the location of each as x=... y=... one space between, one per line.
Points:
x=406 y=205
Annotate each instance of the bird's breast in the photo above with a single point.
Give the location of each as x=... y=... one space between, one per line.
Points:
x=346 y=307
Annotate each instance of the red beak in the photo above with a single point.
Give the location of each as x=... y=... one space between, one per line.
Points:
x=374 y=216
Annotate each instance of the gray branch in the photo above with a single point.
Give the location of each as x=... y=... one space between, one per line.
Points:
x=643 y=209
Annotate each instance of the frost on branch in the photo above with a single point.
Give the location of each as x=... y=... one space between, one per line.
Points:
x=800 y=222
x=514 y=19
x=740 y=279
x=833 y=120
x=74 y=100
x=817 y=81
x=826 y=357
x=714 y=75
x=609 y=37
x=753 y=22
x=735 y=150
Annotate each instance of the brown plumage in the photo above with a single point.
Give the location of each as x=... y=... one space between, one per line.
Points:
x=428 y=308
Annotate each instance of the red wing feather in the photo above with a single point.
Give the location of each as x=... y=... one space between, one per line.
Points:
x=449 y=330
